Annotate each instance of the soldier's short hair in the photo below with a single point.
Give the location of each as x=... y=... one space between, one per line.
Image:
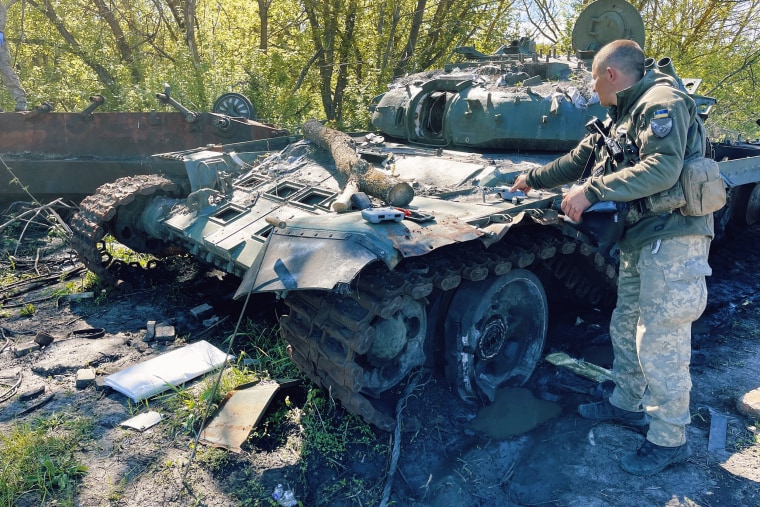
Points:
x=624 y=55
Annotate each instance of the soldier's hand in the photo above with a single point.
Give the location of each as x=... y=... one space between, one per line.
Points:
x=521 y=183
x=574 y=203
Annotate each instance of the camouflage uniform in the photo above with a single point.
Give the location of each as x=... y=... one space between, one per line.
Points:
x=9 y=77
x=663 y=258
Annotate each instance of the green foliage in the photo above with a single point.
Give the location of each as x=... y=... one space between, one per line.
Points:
x=718 y=43
x=306 y=59
x=28 y=310
x=38 y=458
x=331 y=433
x=335 y=439
x=264 y=352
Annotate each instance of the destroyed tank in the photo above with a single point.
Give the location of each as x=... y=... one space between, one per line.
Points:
x=67 y=155
x=390 y=255
x=513 y=99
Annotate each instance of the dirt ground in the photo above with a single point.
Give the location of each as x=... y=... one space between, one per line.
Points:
x=445 y=458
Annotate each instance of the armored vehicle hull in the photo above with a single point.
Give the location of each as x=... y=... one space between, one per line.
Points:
x=456 y=275
x=68 y=155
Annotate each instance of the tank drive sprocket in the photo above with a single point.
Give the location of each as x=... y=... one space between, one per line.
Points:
x=96 y=219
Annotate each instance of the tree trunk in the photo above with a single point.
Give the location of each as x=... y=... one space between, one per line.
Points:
x=354 y=169
x=264 y=22
x=344 y=55
x=192 y=45
x=402 y=66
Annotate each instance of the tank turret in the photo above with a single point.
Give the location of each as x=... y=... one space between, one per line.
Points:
x=514 y=99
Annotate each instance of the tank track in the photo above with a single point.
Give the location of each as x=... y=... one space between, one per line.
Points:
x=330 y=334
x=92 y=222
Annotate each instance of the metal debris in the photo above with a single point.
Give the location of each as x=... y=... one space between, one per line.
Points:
x=89 y=333
x=718 y=428
x=580 y=366
x=240 y=412
x=35 y=406
x=15 y=382
x=31 y=394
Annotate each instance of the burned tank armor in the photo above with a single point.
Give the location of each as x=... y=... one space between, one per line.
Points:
x=366 y=296
x=401 y=249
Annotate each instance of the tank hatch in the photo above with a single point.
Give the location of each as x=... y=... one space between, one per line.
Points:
x=604 y=21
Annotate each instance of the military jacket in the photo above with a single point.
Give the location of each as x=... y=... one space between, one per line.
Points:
x=656 y=124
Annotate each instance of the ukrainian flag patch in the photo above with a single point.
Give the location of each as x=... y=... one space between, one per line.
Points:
x=660 y=113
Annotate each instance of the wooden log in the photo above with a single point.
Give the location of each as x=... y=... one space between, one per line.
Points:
x=355 y=169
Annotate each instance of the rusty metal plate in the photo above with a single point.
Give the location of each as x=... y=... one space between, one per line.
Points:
x=241 y=411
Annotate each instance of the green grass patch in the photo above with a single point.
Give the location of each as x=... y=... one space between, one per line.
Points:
x=37 y=458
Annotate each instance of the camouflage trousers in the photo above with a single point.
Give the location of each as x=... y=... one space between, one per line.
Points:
x=661 y=291
x=9 y=77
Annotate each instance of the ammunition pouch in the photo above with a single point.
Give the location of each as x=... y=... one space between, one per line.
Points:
x=699 y=191
x=702 y=186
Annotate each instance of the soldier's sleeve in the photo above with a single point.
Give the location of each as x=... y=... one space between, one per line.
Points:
x=662 y=118
x=566 y=169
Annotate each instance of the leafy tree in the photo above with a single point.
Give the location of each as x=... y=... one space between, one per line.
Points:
x=298 y=59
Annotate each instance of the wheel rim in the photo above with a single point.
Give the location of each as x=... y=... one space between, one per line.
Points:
x=495 y=333
x=398 y=347
x=235 y=105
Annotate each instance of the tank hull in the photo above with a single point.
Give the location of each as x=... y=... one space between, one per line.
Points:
x=54 y=155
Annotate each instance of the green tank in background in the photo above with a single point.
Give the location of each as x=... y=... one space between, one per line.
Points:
x=396 y=255
x=514 y=99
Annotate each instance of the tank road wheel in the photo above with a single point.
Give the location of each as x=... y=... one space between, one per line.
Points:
x=397 y=347
x=235 y=105
x=744 y=205
x=495 y=333
x=356 y=346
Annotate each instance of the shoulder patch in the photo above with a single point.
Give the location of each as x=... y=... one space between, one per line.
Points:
x=661 y=126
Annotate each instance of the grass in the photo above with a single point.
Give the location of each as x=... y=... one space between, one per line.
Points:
x=306 y=429
x=318 y=435
x=38 y=459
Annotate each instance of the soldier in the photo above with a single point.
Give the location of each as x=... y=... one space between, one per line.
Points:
x=10 y=79
x=663 y=257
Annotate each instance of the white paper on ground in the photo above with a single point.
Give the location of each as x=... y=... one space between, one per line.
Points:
x=173 y=368
x=143 y=421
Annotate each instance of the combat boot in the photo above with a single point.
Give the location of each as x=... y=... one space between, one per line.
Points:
x=652 y=458
x=604 y=411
